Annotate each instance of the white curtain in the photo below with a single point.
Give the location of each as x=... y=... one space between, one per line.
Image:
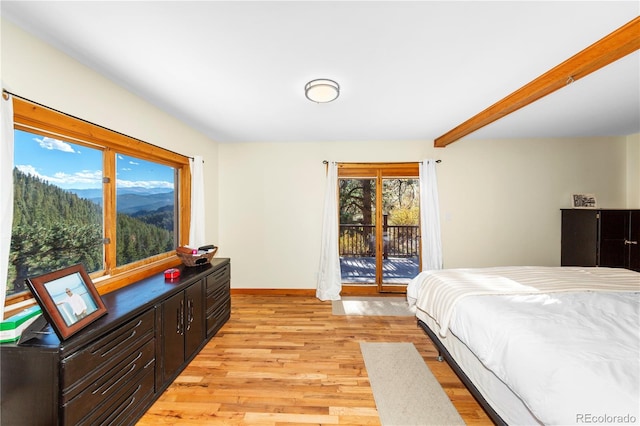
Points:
x=329 y=278
x=430 y=217
x=6 y=192
x=196 y=230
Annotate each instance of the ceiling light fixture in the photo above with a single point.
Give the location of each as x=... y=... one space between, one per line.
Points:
x=322 y=90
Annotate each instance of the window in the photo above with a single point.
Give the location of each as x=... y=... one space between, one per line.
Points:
x=146 y=209
x=85 y=194
x=57 y=208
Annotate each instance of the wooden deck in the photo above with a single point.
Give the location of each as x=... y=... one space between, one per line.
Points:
x=360 y=270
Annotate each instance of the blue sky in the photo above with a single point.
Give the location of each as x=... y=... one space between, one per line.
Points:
x=72 y=166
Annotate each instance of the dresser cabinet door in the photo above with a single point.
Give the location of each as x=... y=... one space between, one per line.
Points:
x=172 y=335
x=183 y=328
x=194 y=319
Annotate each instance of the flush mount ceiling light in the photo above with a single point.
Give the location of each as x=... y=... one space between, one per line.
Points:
x=322 y=90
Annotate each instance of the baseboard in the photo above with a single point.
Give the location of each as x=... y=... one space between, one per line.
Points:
x=275 y=291
x=359 y=290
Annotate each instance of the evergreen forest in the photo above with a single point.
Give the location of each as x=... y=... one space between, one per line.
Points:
x=54 y=228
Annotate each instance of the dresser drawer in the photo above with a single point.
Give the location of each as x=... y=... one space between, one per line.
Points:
x=217 y=295
x=127 y=406
x=218 y=315
x=218 y=278
x=113 y=383
x=98 y=358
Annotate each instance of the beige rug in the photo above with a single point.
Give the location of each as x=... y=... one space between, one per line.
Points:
x=405 y=390
x=372 y=306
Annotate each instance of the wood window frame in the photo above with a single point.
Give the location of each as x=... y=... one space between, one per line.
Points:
x=32 y=117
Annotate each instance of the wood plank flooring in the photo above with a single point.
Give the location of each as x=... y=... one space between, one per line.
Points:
x=286 y=360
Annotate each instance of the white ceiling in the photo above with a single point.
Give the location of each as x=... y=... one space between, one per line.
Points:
x=236 y=70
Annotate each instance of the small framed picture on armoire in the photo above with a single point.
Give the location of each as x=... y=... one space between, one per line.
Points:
x=584 y=201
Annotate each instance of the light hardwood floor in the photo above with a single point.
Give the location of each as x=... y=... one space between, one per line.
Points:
x=286 y=360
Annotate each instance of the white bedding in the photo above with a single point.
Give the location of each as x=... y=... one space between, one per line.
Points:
x=437 y=292
x=572 y=357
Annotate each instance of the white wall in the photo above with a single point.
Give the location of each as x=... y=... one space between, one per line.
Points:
x=633 y=171
x=500 y=200
x=36 y=71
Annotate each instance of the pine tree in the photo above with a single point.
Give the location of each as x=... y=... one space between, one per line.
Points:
x=54 y=228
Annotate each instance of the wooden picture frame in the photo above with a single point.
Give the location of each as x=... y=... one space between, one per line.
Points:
x=68 y=298
x=584 y=201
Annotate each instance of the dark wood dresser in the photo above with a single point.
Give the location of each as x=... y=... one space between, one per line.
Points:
x=112 y=371
x=601 y=237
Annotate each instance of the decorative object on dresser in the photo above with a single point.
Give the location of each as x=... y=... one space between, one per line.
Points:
x=68 y=299
x=196 y=257
x=601 y=237
x=113 y=370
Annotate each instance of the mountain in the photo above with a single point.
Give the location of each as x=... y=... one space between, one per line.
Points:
x=97 y=192
x=132 y=200
x=133 y=203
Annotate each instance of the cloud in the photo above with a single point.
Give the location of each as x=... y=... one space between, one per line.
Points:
x=81 y=179
x=134 y=163
x=54 y=144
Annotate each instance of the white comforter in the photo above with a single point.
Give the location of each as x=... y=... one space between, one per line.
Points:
x=572 y=357
x=437 y=292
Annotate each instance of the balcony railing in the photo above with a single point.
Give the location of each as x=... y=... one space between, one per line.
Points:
x=360 y=240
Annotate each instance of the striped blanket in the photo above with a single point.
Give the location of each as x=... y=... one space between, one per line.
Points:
x=437 y=292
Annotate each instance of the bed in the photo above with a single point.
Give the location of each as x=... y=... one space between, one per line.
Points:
x=538 y=345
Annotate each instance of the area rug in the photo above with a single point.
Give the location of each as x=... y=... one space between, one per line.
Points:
x=405 y=390
x=372 y=306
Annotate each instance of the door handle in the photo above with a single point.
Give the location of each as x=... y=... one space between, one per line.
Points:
x=627 y=242
x=189 y=313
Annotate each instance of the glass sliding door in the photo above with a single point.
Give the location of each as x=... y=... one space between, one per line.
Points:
x=379 y=224
x=400 y=230
x=357 y=238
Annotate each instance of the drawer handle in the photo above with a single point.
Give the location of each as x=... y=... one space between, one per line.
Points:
x=123 y=409
x=180 y=319
x=132 y=368
x=189 y=313
x=114 y=344
x=133 y=397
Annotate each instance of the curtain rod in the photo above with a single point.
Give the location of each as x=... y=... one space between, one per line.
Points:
x=5 y=96
x=396 y=162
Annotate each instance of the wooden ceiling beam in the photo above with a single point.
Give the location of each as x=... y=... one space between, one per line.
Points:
x=621 y=42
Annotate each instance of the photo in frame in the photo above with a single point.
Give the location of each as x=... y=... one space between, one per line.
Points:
x=68 y=298
x=584 y=201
